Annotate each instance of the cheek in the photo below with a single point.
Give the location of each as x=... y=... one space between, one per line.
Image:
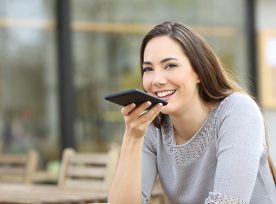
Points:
x=146 y=82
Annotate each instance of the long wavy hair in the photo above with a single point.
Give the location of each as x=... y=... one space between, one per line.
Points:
x=216 y=83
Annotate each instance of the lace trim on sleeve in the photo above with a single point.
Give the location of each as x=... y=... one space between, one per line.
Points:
x=218 y=198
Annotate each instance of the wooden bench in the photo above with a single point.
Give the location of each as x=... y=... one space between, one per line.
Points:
x=90 y=171
x=18 y=167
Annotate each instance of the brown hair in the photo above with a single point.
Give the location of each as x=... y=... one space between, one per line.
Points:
x=215 y=82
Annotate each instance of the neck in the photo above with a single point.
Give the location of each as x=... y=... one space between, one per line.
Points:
x=189 y=122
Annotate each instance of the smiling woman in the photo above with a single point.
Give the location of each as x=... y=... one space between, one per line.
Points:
x=207 y=145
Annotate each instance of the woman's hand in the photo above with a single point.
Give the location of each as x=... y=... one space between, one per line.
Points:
x=137 y=119
x=128 y=174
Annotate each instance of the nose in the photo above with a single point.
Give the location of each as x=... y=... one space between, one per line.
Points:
x=159 y=78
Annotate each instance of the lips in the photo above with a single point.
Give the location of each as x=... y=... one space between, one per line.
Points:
x=164 y=94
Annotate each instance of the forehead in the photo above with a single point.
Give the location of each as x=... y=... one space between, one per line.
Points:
x=162 y=47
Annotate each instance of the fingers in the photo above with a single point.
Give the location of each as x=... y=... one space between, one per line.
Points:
x=141 y=109
x=131 y=108
x=127 y=109
x=131 y=112
x=138 y=118
x=152 y=113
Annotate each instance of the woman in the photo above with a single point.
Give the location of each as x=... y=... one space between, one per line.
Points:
x=207 y=145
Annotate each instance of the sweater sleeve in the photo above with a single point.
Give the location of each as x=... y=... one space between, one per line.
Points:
x=240 y=145
x=149 y=170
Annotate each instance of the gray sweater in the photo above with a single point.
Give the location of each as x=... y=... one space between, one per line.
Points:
x=225 y=162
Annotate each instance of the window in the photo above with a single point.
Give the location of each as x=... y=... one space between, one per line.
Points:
x=28 y=107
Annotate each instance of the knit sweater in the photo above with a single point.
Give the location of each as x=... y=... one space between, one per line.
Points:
x=225 y=162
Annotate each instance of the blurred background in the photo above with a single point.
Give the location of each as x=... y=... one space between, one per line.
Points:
x=59 y=58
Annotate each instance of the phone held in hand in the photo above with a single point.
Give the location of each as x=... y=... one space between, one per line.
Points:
x=136 y=96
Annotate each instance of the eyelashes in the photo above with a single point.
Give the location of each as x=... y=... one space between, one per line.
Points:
x=170 y=65
x=167 y=66
x=147 y=69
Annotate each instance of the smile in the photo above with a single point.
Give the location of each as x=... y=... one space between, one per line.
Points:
x=163 y=94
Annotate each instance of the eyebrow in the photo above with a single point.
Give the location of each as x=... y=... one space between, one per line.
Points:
x=162 y=61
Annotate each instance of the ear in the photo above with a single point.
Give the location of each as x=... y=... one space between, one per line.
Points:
x=197 y=79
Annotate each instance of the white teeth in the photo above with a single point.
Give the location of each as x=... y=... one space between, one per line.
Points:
x=164 y=93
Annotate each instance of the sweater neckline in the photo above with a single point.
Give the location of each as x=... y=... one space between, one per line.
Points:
x=209 y=117
x=194 y=147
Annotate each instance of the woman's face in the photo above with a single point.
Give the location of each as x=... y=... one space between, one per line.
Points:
x=168 y=74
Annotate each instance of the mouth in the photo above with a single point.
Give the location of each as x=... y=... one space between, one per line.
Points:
x=165 y=94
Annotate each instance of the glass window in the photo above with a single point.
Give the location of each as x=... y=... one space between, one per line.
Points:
x=28 y=90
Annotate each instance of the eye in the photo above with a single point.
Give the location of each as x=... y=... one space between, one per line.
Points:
x=170 y=66
x=147 y=69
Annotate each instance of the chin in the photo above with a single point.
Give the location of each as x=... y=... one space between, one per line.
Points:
x=165 y=110
x=170 y=109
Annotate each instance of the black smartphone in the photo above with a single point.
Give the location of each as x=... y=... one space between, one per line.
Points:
x=136 y=96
